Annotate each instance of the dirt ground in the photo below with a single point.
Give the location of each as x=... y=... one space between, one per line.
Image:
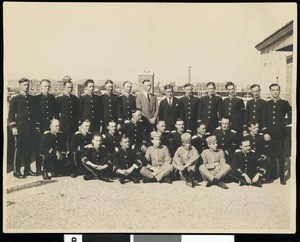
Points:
x=71 y=204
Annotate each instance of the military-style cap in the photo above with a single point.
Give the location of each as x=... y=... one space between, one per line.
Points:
x=155 y=135
x=67 y=78
x=186 y=137
x=211 y=139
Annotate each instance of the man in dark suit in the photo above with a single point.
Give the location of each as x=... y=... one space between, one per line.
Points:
x=90 y=107
x=111 y=106
x=127 y=101
x=234 y=108
x=67 y=107
x=254 y=108
x=274 y=128
x=210 y=108
x=191 y=112
x=22 y=121
x=146 y=102
x=170 y=109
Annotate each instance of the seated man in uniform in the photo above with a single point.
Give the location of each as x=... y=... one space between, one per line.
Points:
x=185 y=160
x=176 y=136
x=158 y=166
x=54 y=151
x=127 y=162
x=166 y=137
x=79 y=142
x=111 y=137
x=96 y=160
x=247 y=168
x=214 y=166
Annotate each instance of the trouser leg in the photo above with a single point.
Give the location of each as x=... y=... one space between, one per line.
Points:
x=280 y=146
x=225 y=169
x=145 y=172
x=166 y=171
x=205 y=173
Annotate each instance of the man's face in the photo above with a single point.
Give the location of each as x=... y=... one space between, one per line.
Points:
x=147 y=86
x=275 y=91
x=156 y=141
x=169 y=92
x=187 y=144
x=85 y=126
x=109 y=87
x=137 y=115
x=255 y=92
x=112 y=127
x=188 y=90
x=161 y=126
x=201 y=130
x=125 y=142
x=90 y=87
x=24 y=86
x=211 y=89
x=127 y=87
x=231 y=89
x=55 y=126
x=246 y=146
x=45 y=86
x=225 y=124
x=213 y=145
x=69 y=88
x=97 y=141
x=179 y=126
x=254 y=128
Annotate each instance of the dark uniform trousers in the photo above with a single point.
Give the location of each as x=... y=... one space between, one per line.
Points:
x=124 y=159
x=210 y=111
x=170 y=113
x=254 y=112
x=50 y=144
x=274 y=123
x=22 y=116
x=67 y=107
x=98 y=157
x=111 y=109
x=90 y=107
x=127 y=105
x=78 y=142
x=248 y=163
x=234 y=108
x=191 y=112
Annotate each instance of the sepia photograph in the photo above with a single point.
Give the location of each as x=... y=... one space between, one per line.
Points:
x=149 y=117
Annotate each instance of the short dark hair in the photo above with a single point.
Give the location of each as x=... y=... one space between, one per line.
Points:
x=178 y=120
x=200 y=124
x=23 y=80
x=254 y=85
x=97 y=134
x=274 y=85
x=124 y=136
x=187 y=85
x=158 y=121
x=211 y=83
x=226 y=117
x=111 y=121
x=229 y=84
x=134 y=110
x=86 y=120
x=168 y=86
x=253 y=122
x=145 y=80
x=108 y=81
x=244 y=140
x=45 y=80
x=67 y=81
x=88 y=81
x=125 y=82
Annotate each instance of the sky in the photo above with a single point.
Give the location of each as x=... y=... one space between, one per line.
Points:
x=120 y=41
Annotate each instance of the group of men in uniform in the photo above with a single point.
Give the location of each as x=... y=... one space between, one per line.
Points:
x=134 y=138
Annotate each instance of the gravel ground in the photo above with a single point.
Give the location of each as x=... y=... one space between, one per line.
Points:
x=65 y=204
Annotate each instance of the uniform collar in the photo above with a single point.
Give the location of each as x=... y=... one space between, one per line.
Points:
x=96 y=148
x=126 y=94
x=123 y=148
x=88 y=93
x=211 y=150
x=232 y=96
x=212 y=95
x=107 y=93
x=23 y=93
x=67 y=94
x=52 y=132
x=156 y=147
x=45 y=94
x=133 y=121
x=226 y=131
x=253 y=135
x=200 y=135
x=179 y=132
x=276 y=99
x=84 y=133
x=189 y=97
x=255 y=99
x=112 y=134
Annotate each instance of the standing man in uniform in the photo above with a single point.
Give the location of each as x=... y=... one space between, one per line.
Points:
x=67 y=107
x=274 y=128
x=90 y=107
x=191 y=106
x=254 y=108
x=22 y=121
x=127 y=101
x=111 y=106
x=147 y=103
x=234 y=108
x=170 y=109
x=211 y=108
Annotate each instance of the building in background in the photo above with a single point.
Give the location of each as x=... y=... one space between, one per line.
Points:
x=277 y=61
x=146 y=75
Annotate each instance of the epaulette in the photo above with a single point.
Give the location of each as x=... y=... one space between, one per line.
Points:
x=103 y=146
x=207 y=133
x=218 y=127
x=61 y=95
x=127 y=121
x=167 y=131
x=189 y=131
x=38 y=94
x=89 y=132
x=252 y=151
x=238 y=150
x=233 y=131
x=116 y=149
x=260 y=133
x=89 y=146
x=46 y=132
x=15 y=95
x=77 y=132
x=141 y=121
x=104 y=136
x=60 y=132
x=173 y=131
x=83 y=94
x=194 y=137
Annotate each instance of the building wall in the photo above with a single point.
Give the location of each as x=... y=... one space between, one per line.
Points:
x=289 y=77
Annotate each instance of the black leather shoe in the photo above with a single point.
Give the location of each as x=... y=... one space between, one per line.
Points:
x=53 y=174
x=74 y=175
x=168 y=180
x=257 y=184
x=39 y=173
x=282 y=182
x=19 y=175
x=87 y=178
x=46 y=177
x=136 y=181
x=106 y=179
x=148 y=180
x=30 y=173
x=122 y=181
x=190 y=183
x=223 y=185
